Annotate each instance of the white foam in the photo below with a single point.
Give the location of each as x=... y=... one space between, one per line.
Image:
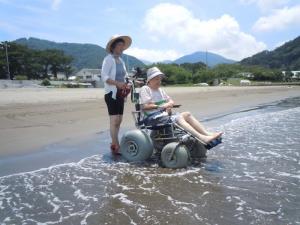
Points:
x=176 y=202
x=265 y=212
x=198 y=217
x=84 y=222
x=123 y=198
x=288 y=175
x=81 y=196
x=55 y=206
x=205 y=193
x=186 y=209
x=27 y=205
x=7 y=219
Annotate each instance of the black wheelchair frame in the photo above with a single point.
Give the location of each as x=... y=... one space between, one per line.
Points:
x=173 y=144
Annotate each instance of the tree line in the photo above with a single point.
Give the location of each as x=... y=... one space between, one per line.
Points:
x=285 y=57
x=32 y=64
x=193 y=73
x=37 y=64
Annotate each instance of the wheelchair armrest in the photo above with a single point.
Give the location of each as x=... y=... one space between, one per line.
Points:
x=136 y=117
x=174 y=106
x=137 y=111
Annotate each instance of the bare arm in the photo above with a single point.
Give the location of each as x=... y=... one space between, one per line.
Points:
x=152 y=105
x=168 y=104
x=149 y=106
x=118 y=84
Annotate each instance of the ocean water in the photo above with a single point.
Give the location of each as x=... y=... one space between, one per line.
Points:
x=252 y=178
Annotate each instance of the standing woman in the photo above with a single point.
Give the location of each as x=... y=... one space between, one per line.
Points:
x=113 y=75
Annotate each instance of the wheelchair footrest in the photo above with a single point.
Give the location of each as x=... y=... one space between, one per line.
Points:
x=213 y=143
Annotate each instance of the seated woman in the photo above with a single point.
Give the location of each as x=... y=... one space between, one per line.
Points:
x=157 y=105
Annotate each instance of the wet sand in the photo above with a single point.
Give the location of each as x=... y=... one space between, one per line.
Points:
x=33 y=118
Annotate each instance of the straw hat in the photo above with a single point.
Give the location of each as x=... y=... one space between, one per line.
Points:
x=153 y=72
x=127 y=41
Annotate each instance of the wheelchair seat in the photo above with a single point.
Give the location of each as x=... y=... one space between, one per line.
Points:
x=159 y=126
x=142 y=125
x=138 y=118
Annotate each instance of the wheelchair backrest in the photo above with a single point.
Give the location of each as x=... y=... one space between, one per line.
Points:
x=137 y=106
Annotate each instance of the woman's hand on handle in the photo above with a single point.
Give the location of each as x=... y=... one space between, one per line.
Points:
x=121 y=85
x=118 y=84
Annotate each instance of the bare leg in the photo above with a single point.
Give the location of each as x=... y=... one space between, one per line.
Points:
x=195 y=123
x=115 y=122
x=185 y=125
x=120 y=117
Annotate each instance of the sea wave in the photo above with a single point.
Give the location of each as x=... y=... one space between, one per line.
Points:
x=257 y=182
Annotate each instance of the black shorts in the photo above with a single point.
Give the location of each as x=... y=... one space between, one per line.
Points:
x=114 y=106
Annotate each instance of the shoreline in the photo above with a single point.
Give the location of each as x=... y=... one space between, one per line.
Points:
x=71 y=151
x=31 y=119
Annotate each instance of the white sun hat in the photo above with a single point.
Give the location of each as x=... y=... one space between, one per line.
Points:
x=153 y=72
x=127 y=41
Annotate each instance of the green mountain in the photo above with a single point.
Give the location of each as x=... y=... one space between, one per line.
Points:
x=85 y=55
x=285 y=57
x=212 y=59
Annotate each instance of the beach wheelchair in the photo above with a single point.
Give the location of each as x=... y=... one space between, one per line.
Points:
x=169 y=142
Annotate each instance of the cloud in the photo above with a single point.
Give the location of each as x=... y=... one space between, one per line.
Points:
x=170 y=22
x=55 y=4
x=279 y=19
x=153 y=55
x=266 y=5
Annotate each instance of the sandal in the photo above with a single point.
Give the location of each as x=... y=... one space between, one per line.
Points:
x=115 y=149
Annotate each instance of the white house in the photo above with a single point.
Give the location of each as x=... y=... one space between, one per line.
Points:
x=296 y=74
x=246 y=74
x=245 y=82
x=89 y=74
x=60 y=76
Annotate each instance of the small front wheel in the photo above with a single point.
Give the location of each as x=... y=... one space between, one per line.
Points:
x=174 y=156
x=198 y=150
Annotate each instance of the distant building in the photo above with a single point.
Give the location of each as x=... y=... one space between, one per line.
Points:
x=245 y=82
x=60 y=76
x=296 y=74
x=92 y=76
x=89 y=74
x=246 y=74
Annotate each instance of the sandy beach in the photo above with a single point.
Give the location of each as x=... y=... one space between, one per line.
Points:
x=33 y=118
x=56 y=166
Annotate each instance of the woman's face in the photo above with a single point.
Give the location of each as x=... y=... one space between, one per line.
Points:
x=155 y=82
x=118 y=48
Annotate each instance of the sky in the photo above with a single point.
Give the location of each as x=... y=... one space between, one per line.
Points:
x=160 y=30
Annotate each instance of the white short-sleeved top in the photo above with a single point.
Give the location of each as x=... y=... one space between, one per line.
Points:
x=148 y=95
